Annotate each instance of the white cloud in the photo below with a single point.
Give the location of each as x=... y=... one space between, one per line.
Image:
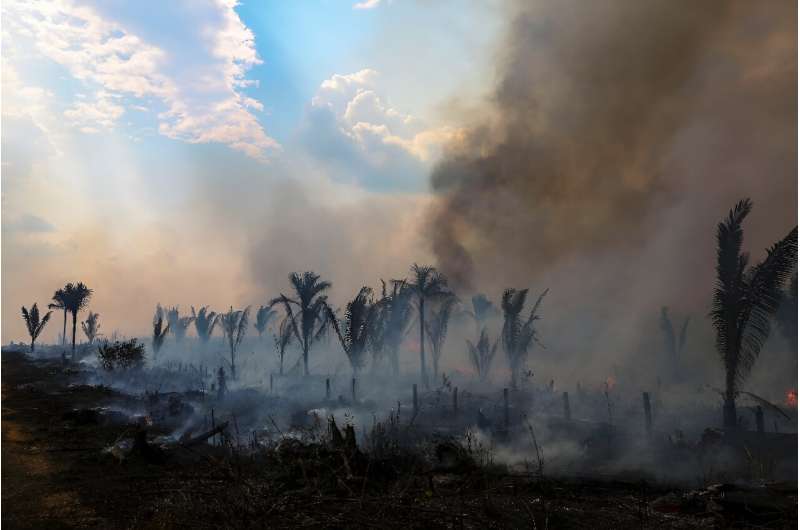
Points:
x=361 y=138
x=367 y=4
x=371 y=121
x=103 y=112
x=203 y=101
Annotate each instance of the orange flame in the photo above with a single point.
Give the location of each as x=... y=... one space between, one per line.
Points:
x=791 y=398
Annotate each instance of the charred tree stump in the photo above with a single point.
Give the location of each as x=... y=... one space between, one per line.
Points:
x=567 y=411
x=648 y=417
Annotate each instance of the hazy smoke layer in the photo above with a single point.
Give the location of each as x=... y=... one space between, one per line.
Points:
x=606 y=113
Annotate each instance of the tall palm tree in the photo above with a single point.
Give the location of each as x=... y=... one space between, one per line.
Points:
x=34 y=324
x=396 y=314
x=310 y=320
x=59 y=303
x=518 y=333
x=234 y=327
x=91 y=326
x=358 y=327
x=263 y=317
x=160 y=330
x=436 y=327
x=204 y=322
x=745 y=299
x=426 y=284
x=76 y=297
x=482 y=354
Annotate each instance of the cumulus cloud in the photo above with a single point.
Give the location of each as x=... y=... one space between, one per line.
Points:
x=199 y=89
x=352 y=125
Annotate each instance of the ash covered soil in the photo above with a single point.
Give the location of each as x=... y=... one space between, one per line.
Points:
x=57 y=472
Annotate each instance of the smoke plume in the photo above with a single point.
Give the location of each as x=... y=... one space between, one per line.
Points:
x=602 y=117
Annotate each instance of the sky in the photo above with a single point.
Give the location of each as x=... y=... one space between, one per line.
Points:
x=160 y=152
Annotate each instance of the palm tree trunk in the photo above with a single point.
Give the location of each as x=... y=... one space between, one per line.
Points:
x=74 y=326
x=64 y=330
x=33 y=347
x=233 y=365
x=305 y=358
x=423 y=371
x=435 y=369
x=729 y=418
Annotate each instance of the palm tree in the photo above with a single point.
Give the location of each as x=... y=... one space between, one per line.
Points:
x=311 y=319
x=234 y=327
x=59 y=303
x=436 y=327
x=177 y=324
x=91 y=326
x=518 y=333
x=263 y=317
x=673 y=344
x=482 y=354
x=282 y=340
x=745 y=298
x=34 y=324
x=787 y=314
x=160 y=330
x=360 y=322
x=204 y=322
x=426 y=284
x=396 y=314
x=76 y=297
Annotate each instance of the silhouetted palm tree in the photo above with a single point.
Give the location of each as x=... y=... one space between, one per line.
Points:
x=518 y=333
x=34 y=324
x=160 y=330
x=178 y=325
x=396 y=314
x=787 y=314
x=234 y=327
x=204 y=322
x=91 y=326
x=745 y=299
x=58 y=303
x=310 y=320
x=436 y=327
x=263 y=317
x=76 y=297
x=358 y=327
x=282 y=341
x=482 y=354
x=427 y=284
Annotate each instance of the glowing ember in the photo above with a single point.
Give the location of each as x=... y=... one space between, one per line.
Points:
x=791 y=398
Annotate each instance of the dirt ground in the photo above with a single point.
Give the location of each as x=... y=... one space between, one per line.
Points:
x=55 y=474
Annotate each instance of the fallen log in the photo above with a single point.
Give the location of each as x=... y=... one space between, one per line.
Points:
x=200 y=438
